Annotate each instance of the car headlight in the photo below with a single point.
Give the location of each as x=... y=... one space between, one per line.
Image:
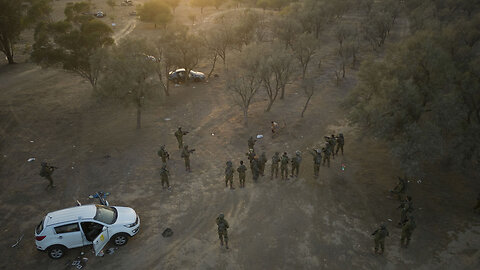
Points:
x=132 y=224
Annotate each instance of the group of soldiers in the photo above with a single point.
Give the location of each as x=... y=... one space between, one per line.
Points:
x=407 y=220
x=185 y=154
x=257 y=163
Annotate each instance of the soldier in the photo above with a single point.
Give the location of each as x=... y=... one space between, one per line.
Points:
x=275 y=161
x=255 y=168
x=326 y=155
x=229 y=174
x=164 y=173
x=163 y=154
x=251 y=156
x=261 y=162
x=186 y=156
x=332 y=142
x=251 y=142
x=222 y=226
x=340 y=143
x=380 y=235
x=296 y=163
x=284 y=165
x=317 y=161
x=477 y=207
x=241 y=174
x=407 y=231
x=46 y=172
x=400 y=188
x=407 y=207
x=179 y=135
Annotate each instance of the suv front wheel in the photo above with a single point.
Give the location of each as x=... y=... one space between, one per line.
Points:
x=120 y=239
x=56 y=252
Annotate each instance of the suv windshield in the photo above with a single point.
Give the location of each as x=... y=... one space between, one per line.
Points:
x=39 y=228
x=106 y=214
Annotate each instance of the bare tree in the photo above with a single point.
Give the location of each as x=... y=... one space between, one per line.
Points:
x=304 y=49
x=245 y=84
x=309 y=88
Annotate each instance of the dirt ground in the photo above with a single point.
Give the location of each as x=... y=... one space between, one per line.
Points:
x=302 y=223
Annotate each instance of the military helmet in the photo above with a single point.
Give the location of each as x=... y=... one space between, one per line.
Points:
x=221 y=215
x=162 y=147
x=383 y=226
x=44 y=163
x=164 y=166
x=298 y=152
x=276 y=153
x=341 y=134
x=284 y=153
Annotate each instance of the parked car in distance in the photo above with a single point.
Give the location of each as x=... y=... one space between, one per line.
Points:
x=85 y=225
x=127 y=3
x=100 y=14
x=178 y=76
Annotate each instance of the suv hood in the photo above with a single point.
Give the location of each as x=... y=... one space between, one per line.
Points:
x=126 y=215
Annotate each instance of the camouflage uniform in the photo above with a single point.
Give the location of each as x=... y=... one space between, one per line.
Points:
x=46 y=172
x=241 y=174
x=251 y=156
x=229 y=174
x=407 y=231
x=275 y=161
x=163 y=154
x=186 y=156
x=164 y=175
x=379 y=239
x=317 y=161
x=255 y=169
x=332 y=142
x=251 y=142
x=284 y=166
x=179 y=135
x=400 y=188
x=326 y=155
x=222 y=226
x=261 y=162
x=340 y=143
x=407 y=208
x=296 y=163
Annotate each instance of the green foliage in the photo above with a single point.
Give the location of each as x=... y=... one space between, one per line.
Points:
x=128 y=72
x=16 y=16
x=173 y=4
x=156 y=12
x=423 y=98
x=71 y=45
x=201 y=4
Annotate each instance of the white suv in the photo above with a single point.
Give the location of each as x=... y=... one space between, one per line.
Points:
x=85 y=225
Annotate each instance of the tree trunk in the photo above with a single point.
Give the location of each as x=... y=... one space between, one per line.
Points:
x=282 y=95
x=139 y=116
x=8 y=51
x=245 y=116
x=343 y=69
x=213 y=66
x=306 y=104
x=270 y=103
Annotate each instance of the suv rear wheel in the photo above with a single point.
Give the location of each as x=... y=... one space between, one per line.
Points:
x=56 y=252
x=120 y=239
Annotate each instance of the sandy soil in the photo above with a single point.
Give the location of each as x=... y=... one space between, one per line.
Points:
x=301 y=223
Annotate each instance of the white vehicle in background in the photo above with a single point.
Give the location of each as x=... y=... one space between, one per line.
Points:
x=85 y=225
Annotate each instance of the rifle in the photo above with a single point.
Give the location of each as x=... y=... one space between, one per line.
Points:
x=191 y=150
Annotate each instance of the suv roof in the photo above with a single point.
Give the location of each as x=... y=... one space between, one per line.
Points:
x=71 y=214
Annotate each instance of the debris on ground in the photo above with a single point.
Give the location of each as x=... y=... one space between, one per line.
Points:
x=167 y=119
x=18 y=241
x=80 y=262
x=167 y=232
x=31 y=159
x=259 y=136
x=110 y=250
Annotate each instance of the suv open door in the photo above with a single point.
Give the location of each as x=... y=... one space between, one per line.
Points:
x=101 y=240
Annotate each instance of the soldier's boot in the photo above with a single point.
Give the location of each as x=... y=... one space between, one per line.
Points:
x=226 y=183
x=221 y=242
x=226 y=243
x=231 y=185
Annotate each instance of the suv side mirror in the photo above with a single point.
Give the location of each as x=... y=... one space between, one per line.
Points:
x=104 y=228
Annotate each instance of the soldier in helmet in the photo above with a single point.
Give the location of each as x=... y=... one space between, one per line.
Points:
x=332 y=142
x=407 y=209
x=241 y=174
x=379 y=237
x=164 y=174
x=222 y=226
x=317 y=161
x=407 y=230
x=229 y=174
x=326 y=155
x=284 y=165
x=255 y=168
x=251 y=142
x=340 y=143
x=163 y=154
x=275 y=161
x=251 y=156
x=46 y=172
x=262 y=161
x=179 y=135
x=400 y=188
x=186 y=156
x=296 y=160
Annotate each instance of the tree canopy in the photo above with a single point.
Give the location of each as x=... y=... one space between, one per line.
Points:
x=156 y=12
